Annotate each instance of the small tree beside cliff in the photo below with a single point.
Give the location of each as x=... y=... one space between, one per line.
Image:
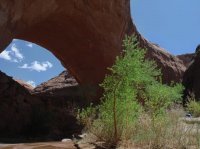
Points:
x=131 y=88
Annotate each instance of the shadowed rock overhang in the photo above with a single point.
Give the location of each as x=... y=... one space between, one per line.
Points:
x=84 y=35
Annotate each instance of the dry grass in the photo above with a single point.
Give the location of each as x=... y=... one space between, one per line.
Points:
x=169 y=132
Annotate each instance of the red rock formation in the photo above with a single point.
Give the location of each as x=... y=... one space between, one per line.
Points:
x=52 y=86
x=191 y=79
x=15 y=106
x=85 y=35
x=187 y=59
x=25 y=115
x=172 y=67
x=24 y=84
x=63 y=88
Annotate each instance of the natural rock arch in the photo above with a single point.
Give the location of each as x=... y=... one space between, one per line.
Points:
x=84 y=35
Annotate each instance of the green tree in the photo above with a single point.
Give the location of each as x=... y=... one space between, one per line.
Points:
x=133 y=81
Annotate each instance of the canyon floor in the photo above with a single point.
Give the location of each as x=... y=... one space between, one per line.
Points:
x=43 y=145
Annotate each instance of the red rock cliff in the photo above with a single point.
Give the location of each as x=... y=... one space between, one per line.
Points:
x=84 y=35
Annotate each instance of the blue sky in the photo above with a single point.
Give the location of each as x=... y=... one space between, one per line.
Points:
x=29 y=62
x=172 y=24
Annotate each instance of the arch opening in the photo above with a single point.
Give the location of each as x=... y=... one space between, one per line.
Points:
x=39 y=98
x=85 y=37
x=29 y=62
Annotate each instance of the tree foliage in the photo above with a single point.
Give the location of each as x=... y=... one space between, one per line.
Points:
x=133 y=81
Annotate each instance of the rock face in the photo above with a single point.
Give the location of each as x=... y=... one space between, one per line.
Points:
x=171 y=66
x=63 y=87
x=84 y=35
x=191 y=79
x=24 y=84
x=24 y=115
x=54 y=85
x=15 y=100
x=186 y=58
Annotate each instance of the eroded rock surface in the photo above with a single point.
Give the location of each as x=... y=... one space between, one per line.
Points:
x=24 y=115
x=15 y=103
x=84 y=35
x=53 y=86
x=187 y=59
x=191 y=79
x=63 y=87
x=24 y=84
x=171 y=66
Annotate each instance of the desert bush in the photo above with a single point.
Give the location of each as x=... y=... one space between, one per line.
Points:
x=167 y=132
x=194 y=108
x=160 y=97
x=133 y=81
x=86 y=116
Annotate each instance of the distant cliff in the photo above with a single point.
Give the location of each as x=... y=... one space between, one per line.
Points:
x=24 y=114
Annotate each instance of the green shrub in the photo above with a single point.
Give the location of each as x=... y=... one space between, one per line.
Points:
x=133 y=81
x=166 y=132
x=160 y=97
x=86 y=116
x=194 y=108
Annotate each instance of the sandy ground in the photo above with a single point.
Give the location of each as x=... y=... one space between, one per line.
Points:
x=45 y=145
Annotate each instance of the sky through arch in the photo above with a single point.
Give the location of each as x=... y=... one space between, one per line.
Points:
x=29 y=62
x=172 y=24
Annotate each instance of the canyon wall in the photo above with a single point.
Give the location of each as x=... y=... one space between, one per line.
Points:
x=84 y=35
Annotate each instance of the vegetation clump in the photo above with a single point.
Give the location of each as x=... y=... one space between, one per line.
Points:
x=193 y=106
x=132 y=90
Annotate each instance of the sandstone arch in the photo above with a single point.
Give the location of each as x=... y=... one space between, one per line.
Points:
x=84 y=35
